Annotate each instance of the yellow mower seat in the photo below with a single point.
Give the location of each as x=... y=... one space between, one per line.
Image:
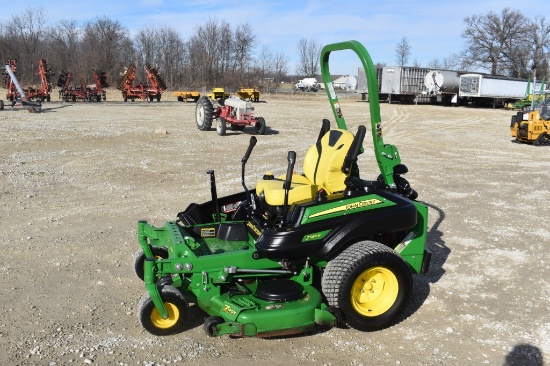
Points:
x=323 y=164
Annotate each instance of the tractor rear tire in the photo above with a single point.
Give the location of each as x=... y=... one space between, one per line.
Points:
x=178 y=312
x=370 y=283
x=204 y=114
x=260 y=126
x=221 y=126
x=139 y=259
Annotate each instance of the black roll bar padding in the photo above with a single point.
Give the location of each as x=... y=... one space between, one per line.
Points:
x=354 y=149
x=214 y=193
x=324 y=129
x=288 y=180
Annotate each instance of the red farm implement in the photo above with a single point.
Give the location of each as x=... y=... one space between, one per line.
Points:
x=142 y=91
x=39 y=94
x=82 y=91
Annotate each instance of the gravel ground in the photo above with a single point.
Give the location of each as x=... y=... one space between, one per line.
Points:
x=76 y=178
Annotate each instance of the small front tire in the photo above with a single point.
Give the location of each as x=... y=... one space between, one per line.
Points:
x=178 y=312
x=221 y=126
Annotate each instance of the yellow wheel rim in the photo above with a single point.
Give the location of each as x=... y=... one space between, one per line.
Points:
x=374 y=291
x=173 y=316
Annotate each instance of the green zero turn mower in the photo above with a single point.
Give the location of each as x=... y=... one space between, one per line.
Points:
x=324 y=247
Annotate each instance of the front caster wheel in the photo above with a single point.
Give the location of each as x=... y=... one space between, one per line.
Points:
x=178 y=312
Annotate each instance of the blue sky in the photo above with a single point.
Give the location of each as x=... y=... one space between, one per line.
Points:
x=433 y=27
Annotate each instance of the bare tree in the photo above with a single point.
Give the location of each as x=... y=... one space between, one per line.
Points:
x=539 y=32
x=434 y=64
x=106 y=46
x=309 y=52
x=63 y=45
x=245 y=41
x=26 y=33
x=280 y=66
x=402 y=52
x=491 y=38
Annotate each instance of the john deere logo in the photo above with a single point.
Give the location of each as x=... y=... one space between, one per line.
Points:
x=343 y=207
x=346 y=207
x=364 y=203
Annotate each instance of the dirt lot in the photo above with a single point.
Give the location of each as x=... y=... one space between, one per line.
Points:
x=77 y=177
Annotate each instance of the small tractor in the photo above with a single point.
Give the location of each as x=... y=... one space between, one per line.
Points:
x=250 y=94
x=323 y=247
x=40 y=94
x=233 y=111
x=183 y=95
x=82 y=92
x=532 y=127
x=142 y=91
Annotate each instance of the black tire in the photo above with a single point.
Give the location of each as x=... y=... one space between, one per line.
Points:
x=260 y=126
x=180 y=99
x=139 y=259
x=210 y=323
x=1 y=105
x=178 y=312
x=125 y=97
x=370 y=283
x=221 y=126
x=204 y=112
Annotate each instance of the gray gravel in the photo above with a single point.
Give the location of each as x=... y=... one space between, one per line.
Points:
x=76 y=178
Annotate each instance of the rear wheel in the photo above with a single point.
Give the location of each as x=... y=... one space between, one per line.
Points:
x=204 y=112
x=370 y=283
x=260 y=126
x=221 y=126
x=139 y=259
x=176 y=306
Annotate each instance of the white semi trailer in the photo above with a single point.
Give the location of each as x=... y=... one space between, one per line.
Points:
x=485 y=89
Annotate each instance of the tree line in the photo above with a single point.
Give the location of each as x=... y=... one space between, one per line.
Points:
x=221 y=54
x=508 y=44
x=216 y=54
